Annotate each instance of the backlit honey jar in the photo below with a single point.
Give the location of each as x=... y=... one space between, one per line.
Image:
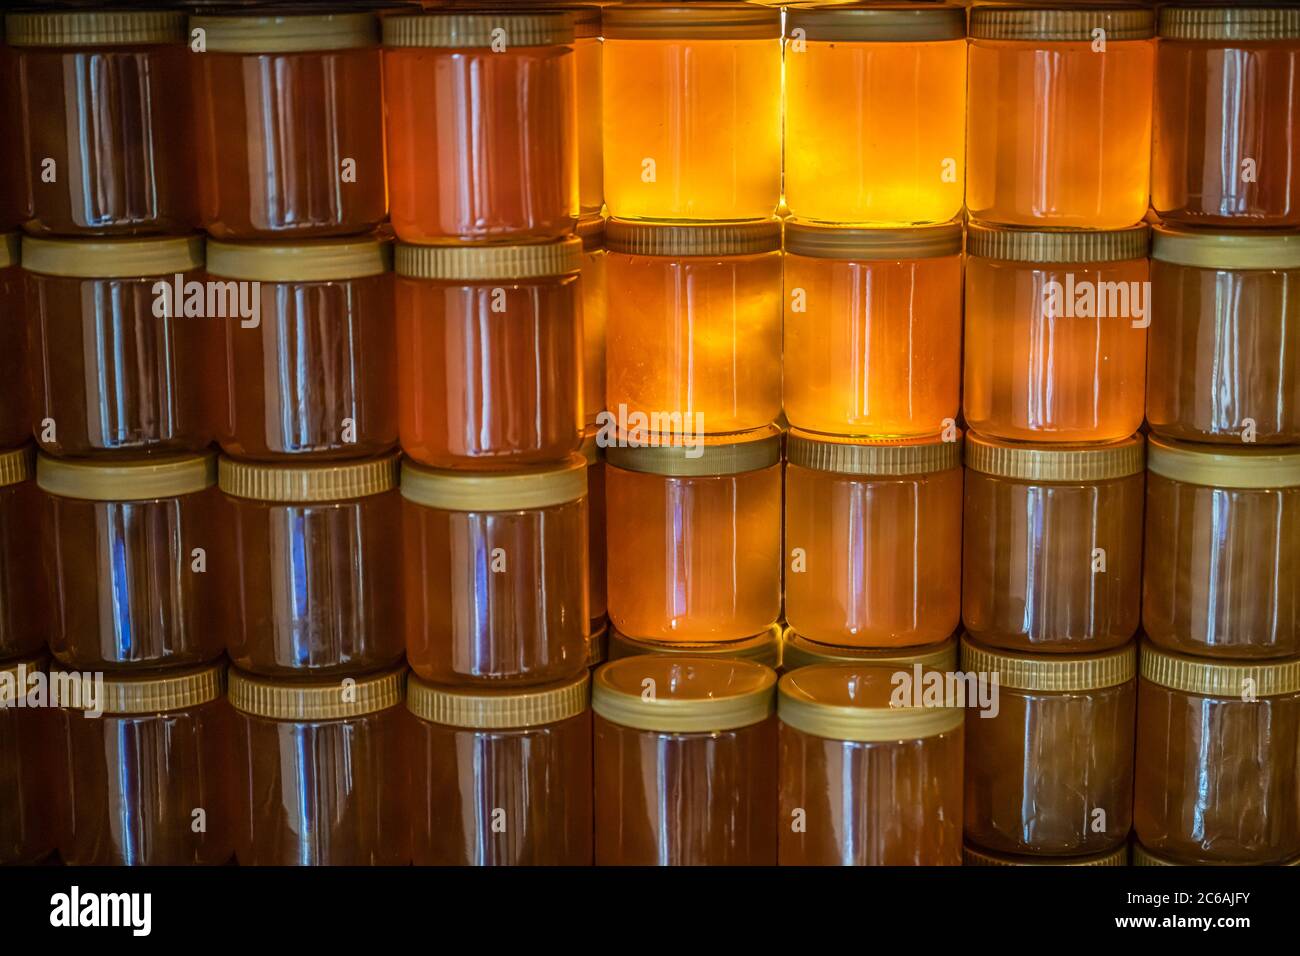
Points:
x=763 y=648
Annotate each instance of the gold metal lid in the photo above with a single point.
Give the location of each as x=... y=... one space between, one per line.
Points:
x=693 y=239
x=329 y=481
x=1235 y=249
x=1224 y=466
x=10 y=246
x=839 y=242
x=1144 y=857
x=598 y=646
x=495 y=491
x=683 y=695
x=316 y=700
x=797 y=651
x=1229 y=23
x=763 y=648
x=94 y=28
x=1060 y=25
x=1215 y=678
x=112 y=258
x=528 y=261
x=1065 y=462
x=873 y=23
x=318 y=261
x=691 y=21
x=973 y=857
x=133 y=479
x=862 y=456
x=288 y=33
x=1051 y=673
x=11 y=672
x=856 y=702
x=1043 y=246
x=461 y=30
x=490 y=709
x=17 y=464
x=158 y=691
x=591 y=230
x=710 y=455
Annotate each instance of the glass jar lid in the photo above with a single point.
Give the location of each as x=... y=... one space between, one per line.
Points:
x=697 y=456
x=131 y=479
x=94 y=28
x=153 y=691
x=973 y=857
x=1050 y=462
x=858 y=702
x=692 y=239
x=1051 y=673
x=691 y=21
x=1215 y=678
x=463 y=30
x=1224 y=466
x=496 y=490
x=112 y=258
x=18 y=464
x=316 y=700
x=1233 y=23
x=10 y=243
x=332 y=481
x=877 y=23
x=598 y=646
x=683 y=695
x=1227 y=249
x=498 y=709
x=1043 y=246
x=16 y=678
x=287 y=33
x=764 y=647
x=473 y=263
x=320 y=260
x=853 y=244
x=1055 y=24
x=797 y=651
x=869 y=458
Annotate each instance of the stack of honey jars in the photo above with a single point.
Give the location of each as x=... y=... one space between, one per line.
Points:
x=1218 y=739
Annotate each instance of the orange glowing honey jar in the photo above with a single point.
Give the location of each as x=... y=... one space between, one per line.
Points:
x=591 y=230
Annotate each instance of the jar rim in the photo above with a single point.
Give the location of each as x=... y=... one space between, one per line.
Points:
x=316 y=700
x=1213 y=248
x=798 y=651
x=461 y=29
x=703 y=456
x=498 y=709
x=1061 y=25
x=318 y=482
x=157 y=691
x=1262 y=22
x=320 y=260
x=975 y=857
x=1055 y=462
x=1224 y=466
x=17 y=465
x=112 y=258
x=873 y=458
x=1210 y=677
x=851 y=243
x=141 y=478
x=872 y=23
x=10 y=249
x=763 y=647
x=74 y=28
x=536 y=260
x=691 y=21
x=718 y=693
x=847 y=702
x=1043 y=246
x=287 y=32
x=1054 y=673
x=13 y=670
x=672 y=239
x=495 y=490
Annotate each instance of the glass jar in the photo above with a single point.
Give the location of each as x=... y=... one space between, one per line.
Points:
x=496 y=574
x=797 y=651
x=595 y=456
x=873 y=539
x=694 y=537
x=317 y=587
x=875 y=113
x=1223 y=365
x=1144 y=857
x=1217 y=759
x=692 y=110
x=133 y=561
x=588 y=64
x=290 y=126
x=1221 y=576
x=591 y=231
x=1226 y=110
x=1056 y=329
x=309 y=373
x=15 y=189
x=872 y=329
x=105 y=100
x=1059 y=116
x=1049 y=765
x=598 y=646
x=15 y=414
x=489 y=354
x=762 y=648
x=31 y=790
x=23 y=617
x=151 y=781
x=482 y=125
x=1052 y=545
x=117 y=359
x=973 y=857
x=501 y=778
x=322 y=771
x=866 y=780
x=694 y=333
x=685 y=753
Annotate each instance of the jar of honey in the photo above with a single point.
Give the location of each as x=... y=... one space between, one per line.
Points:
x=869 y=775
x=317 y=587
x=31 y=786
x=1221 y=576
x=322 y=771
x=134 y=561
x=588 y=65
x=1222 y=363
x=117 y=352
x=307 y=362
x=694 y=325
x=797 y=651
x=694 y=537
x=151 y=781
x=872 y=329
x=1059 y=117
x=15 y=413
x=686 y=763
x=1217 y=759
x=482 y=125
x=496 y=574
x=501 y=777
x=872 y=539
x=762 y=648
x=302 y=96
x=1118 y=857
x=1227 y=103
x=875 y=112
x=692 y=110
x=105 y=102
x=23 y=619
x=490 y=353
x=1144 y=857
x=591 y=230
x=15 y=190
x=1049 y=765
x=1055 y=343
x=1052 y=545
x=595 y=456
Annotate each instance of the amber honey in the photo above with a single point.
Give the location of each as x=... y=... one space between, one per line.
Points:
x=797 y=651
x=762 y=648
x=31 y=754
x=22 y=612
x=15 y=414
x=594 y=310
x=595 y=456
